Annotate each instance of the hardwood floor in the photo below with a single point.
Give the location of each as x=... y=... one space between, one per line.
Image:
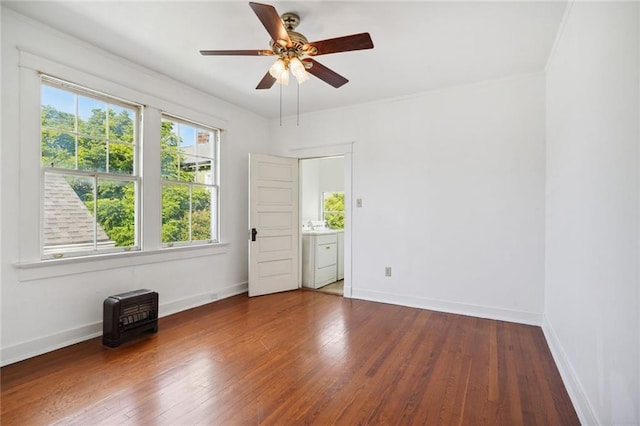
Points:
x=300 y=357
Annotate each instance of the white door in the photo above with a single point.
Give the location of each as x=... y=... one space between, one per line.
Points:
x=273 y=224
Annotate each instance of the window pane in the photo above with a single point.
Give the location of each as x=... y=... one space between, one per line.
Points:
x=68 y=214
x=201 y=216
x=121 y=123
x=58 y=108
x=116 y=211
x=92 y=117
x=334 y=220
x=175 y=213
x=187 y=138
x=187 y=168
x=168 y=136
x=120 y=158
x=333 y=203
x=92 y=154
x=205 y=143
x=58 y=149
x=204 y=174
x=169 y=164
x=169 y=141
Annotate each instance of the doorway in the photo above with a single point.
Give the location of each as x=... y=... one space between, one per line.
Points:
x=275 y=248
x=322 y=218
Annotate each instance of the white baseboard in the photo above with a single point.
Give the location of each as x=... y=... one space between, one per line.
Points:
x=233 y=290
x=51 y=342
x=489 y=312
x=194 y=301
x=576 y=392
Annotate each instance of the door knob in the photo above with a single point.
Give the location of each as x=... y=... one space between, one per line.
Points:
x=254 y=232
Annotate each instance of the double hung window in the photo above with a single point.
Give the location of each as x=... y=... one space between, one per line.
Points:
x=90 y=171
x=189 y=154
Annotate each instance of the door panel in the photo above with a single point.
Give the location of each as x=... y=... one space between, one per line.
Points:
x=274 y=196
x=274 y=220
x=273 y=213
x=268 y=244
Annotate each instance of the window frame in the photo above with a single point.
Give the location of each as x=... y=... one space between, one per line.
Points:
x=214 y=187
x=135 y=177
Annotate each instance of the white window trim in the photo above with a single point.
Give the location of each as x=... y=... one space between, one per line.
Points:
x=29 y=260
x=40 y=269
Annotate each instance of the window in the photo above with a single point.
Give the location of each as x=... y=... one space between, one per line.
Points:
x=190 y=188
x=89 y=162
x=333 y=209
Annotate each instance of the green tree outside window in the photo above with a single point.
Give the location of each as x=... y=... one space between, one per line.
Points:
x=333 y=209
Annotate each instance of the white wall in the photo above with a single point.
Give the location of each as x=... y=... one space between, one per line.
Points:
x=318 y=175
x=452 y=184
x=592 y=257
x=45 y=307
x=309 y=183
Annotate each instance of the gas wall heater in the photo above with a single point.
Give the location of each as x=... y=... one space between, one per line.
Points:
x=128 y=316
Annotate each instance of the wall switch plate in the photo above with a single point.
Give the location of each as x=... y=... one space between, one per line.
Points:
x=359 y=202
x=387 y=271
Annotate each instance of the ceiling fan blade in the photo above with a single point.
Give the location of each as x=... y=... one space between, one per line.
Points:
x=269 y=17
x=266 y=82
x=236 y=52
x=342 y=44
x=325 y=74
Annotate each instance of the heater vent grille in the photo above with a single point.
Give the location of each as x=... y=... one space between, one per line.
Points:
x=133 y=314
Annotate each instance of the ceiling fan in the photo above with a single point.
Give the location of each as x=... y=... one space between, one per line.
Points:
x=293 y=50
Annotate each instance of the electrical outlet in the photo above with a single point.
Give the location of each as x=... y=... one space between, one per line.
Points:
x=359 y=202
x=387 y=271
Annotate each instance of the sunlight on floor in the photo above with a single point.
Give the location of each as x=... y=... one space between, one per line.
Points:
x=333 y=288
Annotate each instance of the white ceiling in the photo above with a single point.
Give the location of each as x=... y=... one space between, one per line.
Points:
x=419 y=46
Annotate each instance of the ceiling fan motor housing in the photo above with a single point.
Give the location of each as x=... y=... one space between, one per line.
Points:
x=299 y=46
x=299 y=43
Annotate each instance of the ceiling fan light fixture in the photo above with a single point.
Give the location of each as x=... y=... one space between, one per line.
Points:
x=298 y=70
x=280 y=72
x=284 y=78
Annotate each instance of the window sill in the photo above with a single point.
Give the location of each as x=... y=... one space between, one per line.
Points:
x=40 y=269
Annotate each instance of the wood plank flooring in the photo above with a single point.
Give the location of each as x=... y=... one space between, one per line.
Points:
x=300 y=357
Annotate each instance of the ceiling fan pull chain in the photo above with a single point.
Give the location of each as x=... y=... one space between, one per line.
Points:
x=280 y=105
x=298 y=107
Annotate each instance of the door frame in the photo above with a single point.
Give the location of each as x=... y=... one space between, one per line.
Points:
x=344 y=150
